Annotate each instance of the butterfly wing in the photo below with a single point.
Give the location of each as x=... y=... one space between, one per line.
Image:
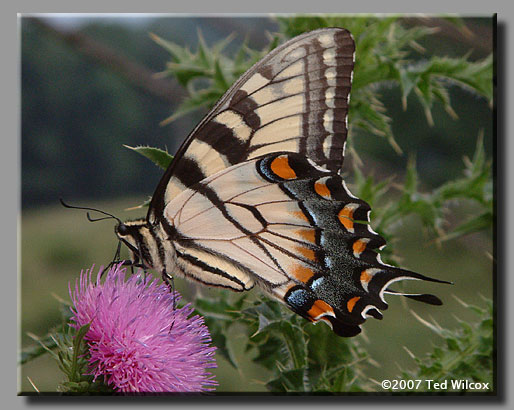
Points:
x=292 y=227
x=295 y=99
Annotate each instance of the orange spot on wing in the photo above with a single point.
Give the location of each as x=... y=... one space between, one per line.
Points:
x=365 y=276
x=318 y=308
x=302 y=273
x=280 y=166
x=301 y=215
x=345 y=217
x=307 y=253
x=359 y=245
x=307 y=234
x=351 y=303
x=322 y=190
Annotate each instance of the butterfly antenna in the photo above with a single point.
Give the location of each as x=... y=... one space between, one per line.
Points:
x=108 y=215
x=90 y=219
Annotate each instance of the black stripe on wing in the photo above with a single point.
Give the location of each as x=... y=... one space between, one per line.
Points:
x=211 y=195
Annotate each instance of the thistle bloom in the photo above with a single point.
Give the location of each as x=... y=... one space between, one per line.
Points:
x=138 y=341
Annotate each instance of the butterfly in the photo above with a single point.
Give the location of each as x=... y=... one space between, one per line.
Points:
x=254 y=195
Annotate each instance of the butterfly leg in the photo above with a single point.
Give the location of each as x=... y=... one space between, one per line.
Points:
x=115 y=260
x=170 y=282
x=142 y=265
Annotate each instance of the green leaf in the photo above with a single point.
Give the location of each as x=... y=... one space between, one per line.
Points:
x=219 y=308
x=408 y=80
x=76 y=370
x=367 y=188
x=220 y=79
x=269 y=350
x=159 y=157
x=475 y=76
x=178 y=52
x=452 y=344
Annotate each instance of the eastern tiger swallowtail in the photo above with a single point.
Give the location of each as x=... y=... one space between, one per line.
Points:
x=254 y=196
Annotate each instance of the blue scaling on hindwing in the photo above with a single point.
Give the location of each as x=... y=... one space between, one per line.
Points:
x=299 y=299
x=317 y=283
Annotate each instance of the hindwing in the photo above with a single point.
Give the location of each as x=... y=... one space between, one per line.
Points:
x=295 y=99
x=292 y=227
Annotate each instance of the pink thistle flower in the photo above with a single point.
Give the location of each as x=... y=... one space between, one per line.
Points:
x=137 y=340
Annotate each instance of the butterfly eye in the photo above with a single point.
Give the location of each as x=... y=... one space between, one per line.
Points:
x=122 y=229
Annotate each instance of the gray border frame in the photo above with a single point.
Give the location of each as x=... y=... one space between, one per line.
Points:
x=11 y=180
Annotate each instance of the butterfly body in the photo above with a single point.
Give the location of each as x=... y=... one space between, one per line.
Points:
x=254 y=195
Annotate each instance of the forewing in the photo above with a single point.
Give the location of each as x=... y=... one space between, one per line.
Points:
x=295 y=99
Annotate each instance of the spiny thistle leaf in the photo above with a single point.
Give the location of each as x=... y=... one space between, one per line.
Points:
x=467 y=353
x=288 y=381
x=367 y=188
x=207 y=73
x=431 y=207
x=159 y=157
x=72 y=360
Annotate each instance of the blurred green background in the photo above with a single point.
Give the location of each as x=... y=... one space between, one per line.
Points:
x=77 y=114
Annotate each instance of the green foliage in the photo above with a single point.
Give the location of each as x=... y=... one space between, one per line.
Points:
x=44 y=345
x=307 y=358
x=465 y=353
x=302 y=357
x=72 y=354
x=475 y=185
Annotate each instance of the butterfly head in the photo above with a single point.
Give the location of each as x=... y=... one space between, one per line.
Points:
x=134 y=235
